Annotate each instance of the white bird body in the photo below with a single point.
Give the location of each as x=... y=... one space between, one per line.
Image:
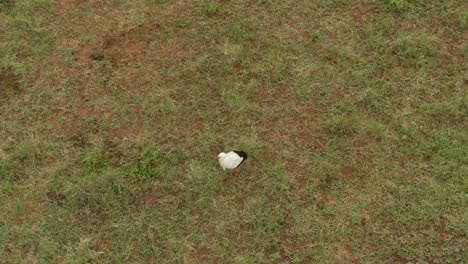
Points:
x=229 y=160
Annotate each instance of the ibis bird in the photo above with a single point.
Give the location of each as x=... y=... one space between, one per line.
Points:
x=231 y=160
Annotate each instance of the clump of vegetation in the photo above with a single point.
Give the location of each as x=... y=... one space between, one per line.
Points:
x=18 y=159
x=462 y=18
x=212 y=8
x=397 y=5
x=343 y=125
x=152 y=163
x=403 y=5
x=413 y=46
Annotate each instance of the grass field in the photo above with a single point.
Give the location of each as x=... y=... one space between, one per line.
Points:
x=354 y=115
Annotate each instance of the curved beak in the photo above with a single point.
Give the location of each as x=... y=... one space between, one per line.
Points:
x=216 y=158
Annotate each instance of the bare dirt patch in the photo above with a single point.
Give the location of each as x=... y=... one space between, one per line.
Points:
x=300 y=168
x=8 y=82
x=9 y=246
x=347 y=173
x=128 y=45
x=146 y=198
x=320 y=143
x=127 y=131
x=269 y=154
x=132 y=44
x=324 y=194
x=202 y=254
x=453 y=48
x=362 y=13
x=305 y=139
x=83 y=113
x=102 y=245
x=346 y=252
x=57 y=197
x=35 y=212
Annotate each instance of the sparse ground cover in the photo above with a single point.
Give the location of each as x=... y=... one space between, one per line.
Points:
x=354 y=115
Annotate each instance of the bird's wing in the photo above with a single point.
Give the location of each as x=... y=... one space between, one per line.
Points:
x=233 y=160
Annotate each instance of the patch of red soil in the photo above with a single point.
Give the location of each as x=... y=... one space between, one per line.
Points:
x=128 y=131
x=427 y=157
x=320 y=143
x=401 y=259
x=347 y=173
x=202 y=254
x=57 y=197
x=146 y=198
x=368 y=140
x=102 y=245
x=301 y=169
x=131 y=44
x=362 y=13
x=346 y=252
x=195 y=124
x=453 y=49
x=9 y=246
x=269 y=154
x=195 y=213
x=338 y=95
x=299 y=245
x=324 y=195
x=35 y=211
x=364 y=159
x=20 y=220
x=302 y=182
x=306 y=139
x=83 y=113
x=126 y=47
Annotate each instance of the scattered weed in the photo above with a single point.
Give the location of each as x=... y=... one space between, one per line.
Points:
x=152 y=163
x=397 y=5
x=343 y=125
x=377 y=129
x=413 y=46
x=212 y=8
x=462 y=18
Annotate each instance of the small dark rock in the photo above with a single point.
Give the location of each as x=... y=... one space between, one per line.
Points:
x=96 y=56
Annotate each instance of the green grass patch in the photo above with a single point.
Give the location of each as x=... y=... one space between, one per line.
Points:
x=353 y=116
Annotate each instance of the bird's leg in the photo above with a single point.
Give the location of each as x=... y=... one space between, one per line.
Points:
x=237 y=172
x=235 y=175
x=230 y=175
